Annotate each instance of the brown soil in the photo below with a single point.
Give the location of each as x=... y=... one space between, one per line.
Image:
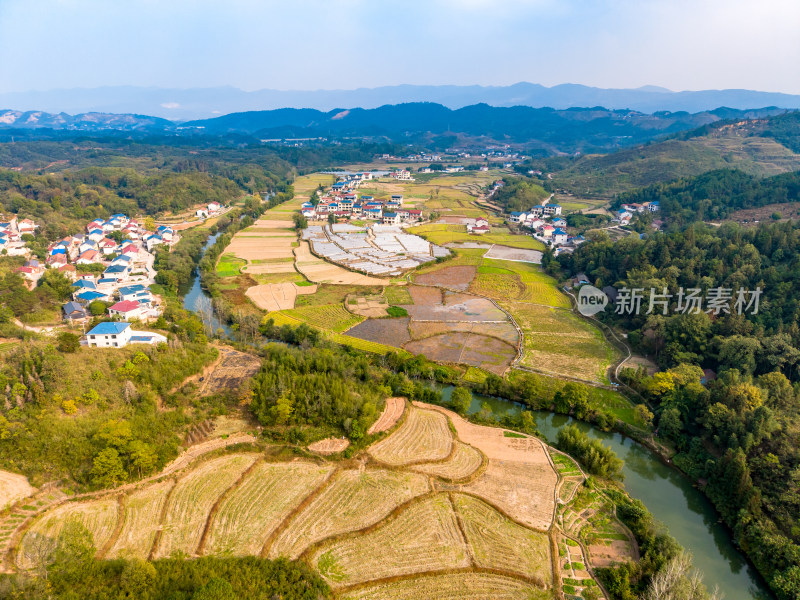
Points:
x=390 y=415
x=465 y=348
x=425 y=296
x=384 y=331
x=457 y=278
x=231 y=372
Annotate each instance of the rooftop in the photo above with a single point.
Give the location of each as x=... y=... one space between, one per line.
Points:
x=109 y=328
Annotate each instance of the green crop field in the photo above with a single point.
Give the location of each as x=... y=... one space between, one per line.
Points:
x=229 y=265
x=332 y=317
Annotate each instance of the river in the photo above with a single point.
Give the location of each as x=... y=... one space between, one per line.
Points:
x=195 y=294
x=670 y=497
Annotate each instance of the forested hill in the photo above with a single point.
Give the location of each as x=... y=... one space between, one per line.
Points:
x=715 y=195
x=739 y=434
x=757 y=146
x=574 y=129
x=546 y=130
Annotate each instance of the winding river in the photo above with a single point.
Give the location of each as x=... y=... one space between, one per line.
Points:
x=668 y=495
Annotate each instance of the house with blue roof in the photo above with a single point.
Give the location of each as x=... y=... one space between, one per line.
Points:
x=136 y=292
x=119 y=271
x=559 y=236
x=88 y=296
x=84 y=284
x=517 y=217
x=109 y=335
x=118 y=334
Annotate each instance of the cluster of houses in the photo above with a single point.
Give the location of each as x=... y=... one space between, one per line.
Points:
x=344 y=204
x=95 y=246
x=626 y=211
x=127 y=268
x=213 y=209
x=547 y=225
x=11 y=232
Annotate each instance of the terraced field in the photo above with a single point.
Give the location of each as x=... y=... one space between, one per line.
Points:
x=331 y=317
x=254 y=510
x=423 y=537
x=138 y=534
x=498 y=543
x=353 y=500
x=191 y=501
x=463 y=512
x=423 y=437
x=451 y=586
x=464 y=463
x=99 y=517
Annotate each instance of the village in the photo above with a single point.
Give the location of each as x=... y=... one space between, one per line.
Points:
x=111 y=266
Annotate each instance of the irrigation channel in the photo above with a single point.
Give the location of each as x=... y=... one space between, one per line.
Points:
x=669 y=496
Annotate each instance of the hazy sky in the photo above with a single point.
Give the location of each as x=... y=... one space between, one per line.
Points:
x=343 y=44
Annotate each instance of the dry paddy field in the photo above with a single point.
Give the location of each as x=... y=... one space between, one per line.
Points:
x=437 y=508
x=277 y=296
x=423 y=437
x=231 y=370
x=13 y=487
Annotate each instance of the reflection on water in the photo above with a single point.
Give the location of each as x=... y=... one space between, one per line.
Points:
x=669 y=496
x=194 y=294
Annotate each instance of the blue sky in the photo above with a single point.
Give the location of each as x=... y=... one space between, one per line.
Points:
x=344 y=44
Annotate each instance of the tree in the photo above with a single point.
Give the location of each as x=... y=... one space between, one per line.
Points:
x=670 y=423
x=137 y=577
x=97 y=308
x=149 y=224
x=644 y=415
x=461 y=399
x=68 y=342
x=143 y=457
x=215 y=589
x=107 y=469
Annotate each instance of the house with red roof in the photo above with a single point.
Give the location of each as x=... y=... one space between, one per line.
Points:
x=127 y=309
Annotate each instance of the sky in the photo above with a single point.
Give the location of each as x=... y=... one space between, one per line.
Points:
x=346 y=44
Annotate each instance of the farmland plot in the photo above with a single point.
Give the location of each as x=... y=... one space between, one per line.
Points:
x=12 y=488
x=457 y=278
x=390 y=415
x=264 y=499
x=498 y=543
x=354 y=499
x=423 y=537
x=192 y=500
x=391 y=331
x=466 y=348
x=464 y=462
x=98 y=516
x=523 y=491
x=423 y=437
x=333 y=317
x=140 y=519
x=455 y=586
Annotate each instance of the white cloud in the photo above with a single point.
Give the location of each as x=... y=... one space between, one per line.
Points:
x=170 y=105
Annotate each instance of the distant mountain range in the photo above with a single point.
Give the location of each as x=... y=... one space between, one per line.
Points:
x=545 y=131
x=186 y=104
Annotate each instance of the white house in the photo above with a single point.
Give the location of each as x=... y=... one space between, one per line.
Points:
x=109 y=335
x=127 y=309
x=119 y=334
